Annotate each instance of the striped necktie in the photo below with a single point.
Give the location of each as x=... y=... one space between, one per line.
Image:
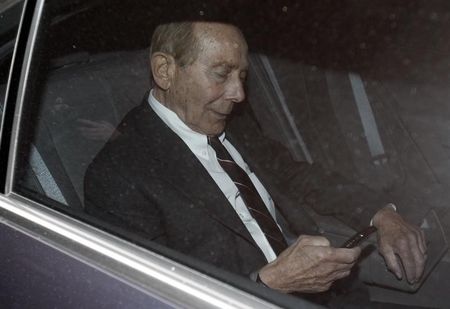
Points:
x=250 y=196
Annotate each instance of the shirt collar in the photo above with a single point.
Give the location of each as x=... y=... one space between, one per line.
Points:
x=197 y=142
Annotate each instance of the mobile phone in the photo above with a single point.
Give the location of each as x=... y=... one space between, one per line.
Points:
x=359 y=237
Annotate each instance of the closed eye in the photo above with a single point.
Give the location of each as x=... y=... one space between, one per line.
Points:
x=221 y=74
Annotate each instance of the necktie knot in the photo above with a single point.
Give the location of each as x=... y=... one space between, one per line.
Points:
x=219 y=148
x=213 y=140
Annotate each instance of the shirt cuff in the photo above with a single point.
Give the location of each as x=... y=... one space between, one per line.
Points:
x=391 y=206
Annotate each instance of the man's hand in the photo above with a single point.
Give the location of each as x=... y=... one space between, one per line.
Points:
x=399 y=238
x=309 y=266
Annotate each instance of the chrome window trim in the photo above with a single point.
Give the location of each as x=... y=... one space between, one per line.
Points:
x=149 y=271
x=21 y=90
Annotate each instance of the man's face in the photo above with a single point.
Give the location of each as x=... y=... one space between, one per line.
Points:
x=203 y=93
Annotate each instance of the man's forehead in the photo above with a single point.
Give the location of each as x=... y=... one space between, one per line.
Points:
x=217 y=38
x=225 y=60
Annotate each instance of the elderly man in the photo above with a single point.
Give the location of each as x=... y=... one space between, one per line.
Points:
x=175 y=175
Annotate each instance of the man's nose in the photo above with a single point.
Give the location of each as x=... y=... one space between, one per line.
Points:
x=235 y=91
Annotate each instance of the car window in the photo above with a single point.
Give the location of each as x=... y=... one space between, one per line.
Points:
x=338 y=98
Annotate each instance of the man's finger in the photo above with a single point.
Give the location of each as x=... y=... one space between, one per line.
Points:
x=409 y=266
x=342 y=274
x=419 y=260
x=419 y=239
x=347 y=256
x=392 y=263
x=422 y=241
x=308 y=240
x=339 y=269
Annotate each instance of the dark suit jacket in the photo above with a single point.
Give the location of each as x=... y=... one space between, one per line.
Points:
x=147 y=181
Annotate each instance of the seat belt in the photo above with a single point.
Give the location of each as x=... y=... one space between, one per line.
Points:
x=368 y=121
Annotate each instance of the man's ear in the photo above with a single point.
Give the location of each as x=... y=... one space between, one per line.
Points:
x=163 y=69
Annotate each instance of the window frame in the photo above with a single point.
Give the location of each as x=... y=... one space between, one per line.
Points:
x=7 y=116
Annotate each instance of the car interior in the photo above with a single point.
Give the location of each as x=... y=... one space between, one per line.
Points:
x=360 y=88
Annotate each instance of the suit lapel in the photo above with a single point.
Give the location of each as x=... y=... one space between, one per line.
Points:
x=184 y=171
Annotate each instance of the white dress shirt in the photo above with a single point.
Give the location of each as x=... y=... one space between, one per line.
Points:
x=198 y=144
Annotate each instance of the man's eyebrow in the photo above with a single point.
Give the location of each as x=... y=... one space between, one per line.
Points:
x=229 y=66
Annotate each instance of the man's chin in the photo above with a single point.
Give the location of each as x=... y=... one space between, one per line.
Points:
x=215 y=132
x=216 y=129
x=212 y=128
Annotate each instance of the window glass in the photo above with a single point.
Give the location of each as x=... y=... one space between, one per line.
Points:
x=9 y=22
x=345 y=110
